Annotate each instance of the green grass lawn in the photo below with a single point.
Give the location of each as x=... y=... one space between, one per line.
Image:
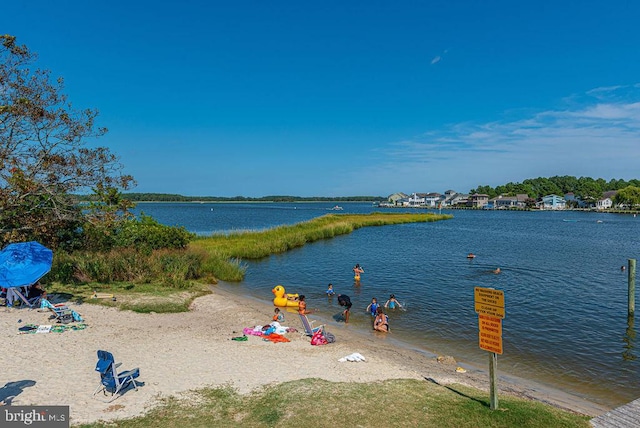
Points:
x=319 y=403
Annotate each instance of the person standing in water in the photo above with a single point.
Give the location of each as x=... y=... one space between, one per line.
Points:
x=357 y=270
x=345 y=301
x=330 y=291
x=373 y=306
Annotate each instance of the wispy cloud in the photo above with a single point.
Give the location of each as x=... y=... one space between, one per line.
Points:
x=436 y=59
x=597 y=137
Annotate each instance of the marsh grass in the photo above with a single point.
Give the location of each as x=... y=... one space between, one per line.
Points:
x=173 y=268
x=226 y=250
x=319 y=403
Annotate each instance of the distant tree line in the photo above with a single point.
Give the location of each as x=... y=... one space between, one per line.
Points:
x=169 y=197
x=585 y=188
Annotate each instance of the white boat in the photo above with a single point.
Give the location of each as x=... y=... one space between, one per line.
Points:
x=337 y=208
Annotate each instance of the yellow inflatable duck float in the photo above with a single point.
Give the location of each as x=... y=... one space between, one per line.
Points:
x=283 y=299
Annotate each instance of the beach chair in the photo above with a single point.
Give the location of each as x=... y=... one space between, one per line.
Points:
x=110 y=380
x=309 y=330
x=60 y=312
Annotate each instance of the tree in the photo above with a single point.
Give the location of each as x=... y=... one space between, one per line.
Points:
x=44 y=158
x=629 y=197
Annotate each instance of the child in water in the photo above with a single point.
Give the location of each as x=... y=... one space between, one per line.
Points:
x=392 y=303
x=373 y=307
x=330 y=291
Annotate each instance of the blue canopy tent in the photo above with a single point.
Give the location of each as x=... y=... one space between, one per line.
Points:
x=23 y=264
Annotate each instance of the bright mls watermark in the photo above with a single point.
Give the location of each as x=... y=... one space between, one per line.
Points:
x=34 y=416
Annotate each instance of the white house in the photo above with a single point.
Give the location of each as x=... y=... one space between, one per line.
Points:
x=604 y=204
x=417 y=199
x=432 y=199
x=606 y=201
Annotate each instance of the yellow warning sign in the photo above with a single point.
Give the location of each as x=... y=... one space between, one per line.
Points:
x=489 y=301
x=490 y=333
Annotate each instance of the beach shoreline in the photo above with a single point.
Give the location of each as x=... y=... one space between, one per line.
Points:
x=180 y=352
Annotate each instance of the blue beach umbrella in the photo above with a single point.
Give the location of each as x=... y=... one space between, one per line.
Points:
x=24 y=263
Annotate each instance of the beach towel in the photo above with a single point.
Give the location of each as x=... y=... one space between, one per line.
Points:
x=58 y=328
x=355 y=357
x=275 y=337
x=280 y=329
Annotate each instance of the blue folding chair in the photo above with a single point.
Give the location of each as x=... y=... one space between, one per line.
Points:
x=110 y=380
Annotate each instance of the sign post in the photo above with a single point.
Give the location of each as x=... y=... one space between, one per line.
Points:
x=489 y=305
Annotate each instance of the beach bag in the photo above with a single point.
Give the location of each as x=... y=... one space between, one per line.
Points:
x=330 y=338
x=318 y=338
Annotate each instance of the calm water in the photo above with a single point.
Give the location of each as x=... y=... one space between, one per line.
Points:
x=565 y=295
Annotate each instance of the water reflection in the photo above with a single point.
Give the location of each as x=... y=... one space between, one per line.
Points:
x=629 y=339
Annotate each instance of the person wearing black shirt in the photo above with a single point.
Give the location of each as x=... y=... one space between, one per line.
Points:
x=344 y=300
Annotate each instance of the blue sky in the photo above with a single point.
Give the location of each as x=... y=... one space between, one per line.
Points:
x=338 y=98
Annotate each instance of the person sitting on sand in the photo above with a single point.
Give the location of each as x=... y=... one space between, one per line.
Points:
x=381 y=323
x=392 y=303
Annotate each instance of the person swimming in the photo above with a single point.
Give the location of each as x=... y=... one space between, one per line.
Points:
x=392 y=303
x=496 y=271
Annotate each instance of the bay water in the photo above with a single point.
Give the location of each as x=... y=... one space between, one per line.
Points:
x=566 y=322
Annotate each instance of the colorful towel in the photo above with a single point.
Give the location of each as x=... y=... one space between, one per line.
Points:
x=58 y=328
x=275 y=337
x=251 y=331
x=240 y=338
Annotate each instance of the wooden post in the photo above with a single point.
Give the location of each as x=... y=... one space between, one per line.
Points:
x=632 y=286
x=493 y=384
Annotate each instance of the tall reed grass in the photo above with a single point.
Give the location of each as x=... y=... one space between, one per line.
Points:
x=171 y=268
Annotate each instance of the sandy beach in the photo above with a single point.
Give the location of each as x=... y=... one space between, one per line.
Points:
x=180 y=352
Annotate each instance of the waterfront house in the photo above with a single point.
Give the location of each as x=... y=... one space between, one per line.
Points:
x=452 y=198
x=574 y=201
x=432 y=200
x=606 y=201
x=417 y=199
x=508 y=202
x=552 y=202
x=478 y=200
x=396 y=197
